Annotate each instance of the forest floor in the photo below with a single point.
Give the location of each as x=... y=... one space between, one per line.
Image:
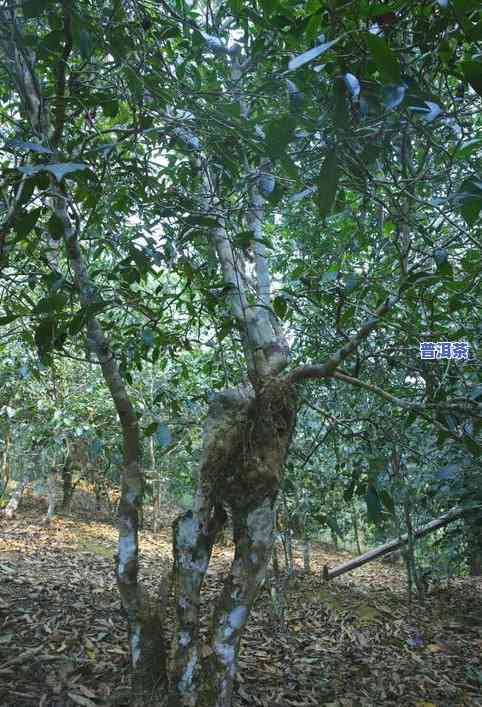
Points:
x=352 y=641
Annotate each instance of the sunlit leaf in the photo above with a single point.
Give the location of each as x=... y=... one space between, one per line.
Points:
x=311 y=54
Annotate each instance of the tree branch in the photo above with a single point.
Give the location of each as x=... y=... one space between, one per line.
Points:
x=327 y=369
x=60 y=97
x=414 y=407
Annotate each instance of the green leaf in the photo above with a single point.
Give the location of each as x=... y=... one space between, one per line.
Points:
x=280 y=306
x=150 y=429
x=34 y=8
x=374 y=507
x=473 y=446
x=110 y=108
x=56 y=227
x=279 y=134
x=8 y=319
x=269 y=7
x=384 y=58
x=387 y=501
x=468 y=148
x=327 y=183
x=85 y=44
x=469 y=198
x=26 y=221
x=49 y=305
x=473 y=74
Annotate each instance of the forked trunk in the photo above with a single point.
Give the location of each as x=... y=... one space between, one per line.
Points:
x=246 y=439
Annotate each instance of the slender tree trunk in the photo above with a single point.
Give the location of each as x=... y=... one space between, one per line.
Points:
x=288 y=550
x=156 y=487
x=275 y=560
x=354 y=517
x=12 y=505
x=5 y=464
x=389 y=547
x=306 y=550
x=51 y=494
x=147 y=651
x=67 y=485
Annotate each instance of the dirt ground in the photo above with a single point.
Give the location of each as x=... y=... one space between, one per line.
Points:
x=349 y=642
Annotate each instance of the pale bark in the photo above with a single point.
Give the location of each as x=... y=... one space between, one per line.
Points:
x=5 y=462
x=147 y=655
x=146 y=650
x=306 y=550
x=440 y=522
x=156 y=487
x=51 y=495
x=14 y=501
x=356 y=532
x=328 y=368
x=67 y=484
x=253 y=537
x=245 y=442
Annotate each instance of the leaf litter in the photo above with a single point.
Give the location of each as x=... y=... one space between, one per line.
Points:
x=349 y=642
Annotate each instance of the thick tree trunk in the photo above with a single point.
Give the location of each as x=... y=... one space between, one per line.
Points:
x=448 y=517
x=253 y=537
x=474 y=539
x=245 y=443
x=12 y=505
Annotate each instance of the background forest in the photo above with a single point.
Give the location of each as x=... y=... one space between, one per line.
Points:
x=225 y=231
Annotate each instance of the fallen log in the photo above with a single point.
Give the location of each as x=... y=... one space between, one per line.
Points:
x=385 y=549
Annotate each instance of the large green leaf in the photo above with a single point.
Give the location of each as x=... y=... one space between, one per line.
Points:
x=25 y=221
x=473 y=74
x=374 y=508
x=328 y=183
x=384 y=58
x=469 y=198
x=34 y=8
x=279 y=134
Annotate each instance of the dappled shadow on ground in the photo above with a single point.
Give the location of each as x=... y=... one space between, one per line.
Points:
x=350 y=642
